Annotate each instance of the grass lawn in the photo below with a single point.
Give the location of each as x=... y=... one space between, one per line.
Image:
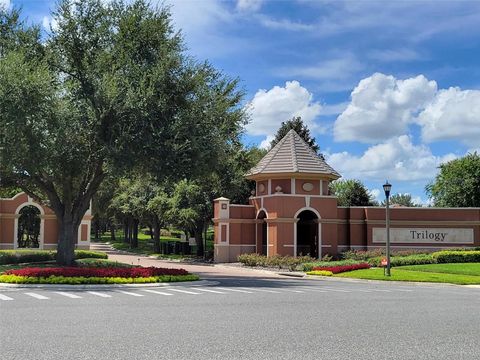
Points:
x=420 y=275
x=460 y=268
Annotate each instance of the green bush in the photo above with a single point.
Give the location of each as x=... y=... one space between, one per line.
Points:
x=101 y=263
x=310 y=265
x=32 y=256
x=417 y=259
x=365 y=255
x=456 y=256
x=281 y=262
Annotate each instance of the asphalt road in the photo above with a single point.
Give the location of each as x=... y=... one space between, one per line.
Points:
x=243 y=318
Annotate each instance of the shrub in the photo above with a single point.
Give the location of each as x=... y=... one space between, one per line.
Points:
x=77 y=280
x=281 y=262
x=366 y=255
x=87 y=254
x=31 y=256
x=310 y=265
x=320 y=273
x=342 y=268
x=132 y=272
x=456 y=256
x=418 y=259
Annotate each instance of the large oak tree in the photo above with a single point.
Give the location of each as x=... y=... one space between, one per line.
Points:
x=110 y=88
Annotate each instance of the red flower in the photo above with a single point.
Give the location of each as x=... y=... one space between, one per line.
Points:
x=133 y=272
x=343 y=268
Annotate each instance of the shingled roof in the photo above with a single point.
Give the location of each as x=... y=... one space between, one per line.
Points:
x=292 y=155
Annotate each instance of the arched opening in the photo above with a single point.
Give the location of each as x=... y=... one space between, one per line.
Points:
x=307 y=234
x=28 y=230
x=262 y=237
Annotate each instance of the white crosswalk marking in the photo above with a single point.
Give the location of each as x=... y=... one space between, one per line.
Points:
x=235 y=290
x=157 y=292
x=5 y=297
x=338 y=290
x=261 y=290
x=36 y=296
x=129 y=293
x=99 y=294
x=69 y=295
x=210 y=291
x=185 y=291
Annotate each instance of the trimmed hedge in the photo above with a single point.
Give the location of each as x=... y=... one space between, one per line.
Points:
x=418 y=259
x=456 y=256
x=281 y=262
x=8 y=257
x=310 y=265
x=342 y=268
x=320 y=273
x=79 y=280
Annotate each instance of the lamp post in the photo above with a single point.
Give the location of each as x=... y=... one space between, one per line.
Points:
x=387 y=187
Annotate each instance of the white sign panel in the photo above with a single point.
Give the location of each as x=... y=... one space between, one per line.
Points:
x=424 y=235
x=192 y=241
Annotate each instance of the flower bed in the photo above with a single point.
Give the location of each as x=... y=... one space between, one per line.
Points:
x=95 y=275
x=342 y=268
x=320 y=273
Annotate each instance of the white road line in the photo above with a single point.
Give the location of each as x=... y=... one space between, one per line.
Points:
x=185 y=291
x=236 y=290
x=291 y=290
x=5 y=297
x=128 y=293
x=99 y=294
x=37 y=296
x=69 y=295
x=157 y=292
x=338 y=290
x=381 y=290
x=262 y=290
x=406 y=290
x=210 y=291
x=315 y=290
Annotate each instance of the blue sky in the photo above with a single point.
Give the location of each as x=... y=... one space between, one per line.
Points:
x=390 y=89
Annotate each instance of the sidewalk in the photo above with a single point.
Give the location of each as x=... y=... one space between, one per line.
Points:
x=205 y=271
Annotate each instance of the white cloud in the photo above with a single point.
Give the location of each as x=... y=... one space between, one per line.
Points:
x=269 y=108
x=335 y=68
x=265 y=144
x=381 y=107
x=375 y=194
x=249 y=5
x=49 y=23
x=396 y=159
x=284 y=24
x=394 y=55
x=4 y=4
x=334 y=109
x=453 y=114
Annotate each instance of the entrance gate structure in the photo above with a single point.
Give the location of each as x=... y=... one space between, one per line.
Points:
x=292 y=212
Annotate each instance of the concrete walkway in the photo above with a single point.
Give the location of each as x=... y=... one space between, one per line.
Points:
x=205 y=271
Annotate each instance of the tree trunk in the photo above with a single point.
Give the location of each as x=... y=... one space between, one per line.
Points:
x=150 y=228
x=97 y=230
x=156 y=234
x=199 y=240
x=67 y=236
x=126 y=229
x=134 y=239
x=112 y=233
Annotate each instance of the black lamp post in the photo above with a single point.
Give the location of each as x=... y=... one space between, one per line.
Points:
x=387 y=187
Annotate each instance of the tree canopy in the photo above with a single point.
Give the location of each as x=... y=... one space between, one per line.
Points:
x=110 y=88
x=402 y=200
x=458 y=183
x=296 y=123
x=351 y=192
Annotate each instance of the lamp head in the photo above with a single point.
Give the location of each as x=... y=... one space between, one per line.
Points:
x=387 y=187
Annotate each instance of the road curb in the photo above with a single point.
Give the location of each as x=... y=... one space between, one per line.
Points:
x=107 y=286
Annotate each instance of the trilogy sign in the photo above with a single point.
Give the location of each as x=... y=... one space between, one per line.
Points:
x=424 y=235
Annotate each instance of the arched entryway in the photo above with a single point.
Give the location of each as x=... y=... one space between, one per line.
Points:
x=262 y=234
x=29 y=226
x=307 y=234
